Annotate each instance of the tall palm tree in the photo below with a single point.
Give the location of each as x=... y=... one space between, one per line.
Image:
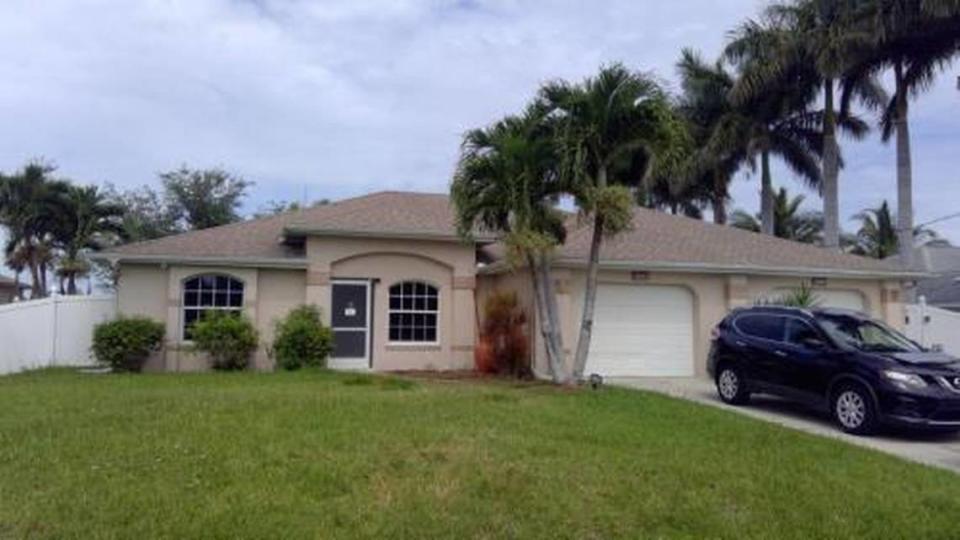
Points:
x=615 y=129
x=820 y=44
x=915 y=39
x=776 y=122
x=30 y=204
x=705 y=103
x=790 y=221
x=89 y=222
x=507 y=182
x=877 y=236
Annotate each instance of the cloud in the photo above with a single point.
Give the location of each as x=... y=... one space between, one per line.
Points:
x=340 y=97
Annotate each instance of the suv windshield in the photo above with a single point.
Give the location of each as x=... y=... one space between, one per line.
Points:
x=865 y=335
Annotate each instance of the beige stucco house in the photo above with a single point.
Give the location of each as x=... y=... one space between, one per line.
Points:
x=403 y=292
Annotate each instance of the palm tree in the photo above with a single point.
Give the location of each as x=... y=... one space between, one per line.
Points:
x=615 y=129
x=507 y=183
x=705 y=103
x=30 y=204
x=775 y=122
x=790 y=222
x=915 y=39
x=89 y=222
x=877 y=236
x=819 y=44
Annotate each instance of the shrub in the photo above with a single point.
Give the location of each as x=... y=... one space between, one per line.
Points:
x=802 y=297
x=504 y=346
x=229 y=339
x=125 y=344
x=302 y=340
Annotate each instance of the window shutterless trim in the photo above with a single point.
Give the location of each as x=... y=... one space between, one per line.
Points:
x=412 y=311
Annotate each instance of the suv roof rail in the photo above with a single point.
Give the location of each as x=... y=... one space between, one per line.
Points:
x=775 y=309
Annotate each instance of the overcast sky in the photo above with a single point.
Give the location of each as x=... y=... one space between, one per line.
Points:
x=343 y=97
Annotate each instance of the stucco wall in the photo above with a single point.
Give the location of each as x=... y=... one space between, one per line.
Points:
x=448 y=265
x=714 y=295
x=142 y=291
x=156 y=292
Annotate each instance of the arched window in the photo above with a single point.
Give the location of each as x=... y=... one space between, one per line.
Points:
x=209 y=292
x=413 y=312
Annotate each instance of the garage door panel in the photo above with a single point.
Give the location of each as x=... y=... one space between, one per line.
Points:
x=642 y=331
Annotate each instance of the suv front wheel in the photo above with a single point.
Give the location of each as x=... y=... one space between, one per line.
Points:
x=731 y=386
x=853 y=410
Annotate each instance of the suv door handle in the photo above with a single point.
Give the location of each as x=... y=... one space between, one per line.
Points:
x=781 y=354
x=741 y=343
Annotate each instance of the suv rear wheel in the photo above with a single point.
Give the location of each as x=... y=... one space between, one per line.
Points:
x=853 y=410
x=730 y=386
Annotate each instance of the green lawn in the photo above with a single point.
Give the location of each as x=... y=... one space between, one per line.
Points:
x=325 y=455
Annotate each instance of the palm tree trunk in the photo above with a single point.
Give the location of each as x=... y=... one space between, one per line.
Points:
x=553 y=314
x=72 y=283
x=547 y=329
x=719 y=201
x=590 y=289
x=36 y=285
x=904 y=174
x=766 y=195
x=831 y=171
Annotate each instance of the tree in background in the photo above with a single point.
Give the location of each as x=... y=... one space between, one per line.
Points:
x=507 y=182
x=614 y=130
x=915 y=39
x=777 y=122
x=820 y=44
x=789 y=220
x=705 y=104
x=89 y=222
x=146 y=215
x=31 y=202
x=272 y=208
x=204 y=198
x=877 y=236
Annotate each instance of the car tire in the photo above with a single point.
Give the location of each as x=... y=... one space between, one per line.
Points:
x=731 y=386
x=853 y=409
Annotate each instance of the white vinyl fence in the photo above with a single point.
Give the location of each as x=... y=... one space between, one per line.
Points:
x=929 y=326
x=54 y=331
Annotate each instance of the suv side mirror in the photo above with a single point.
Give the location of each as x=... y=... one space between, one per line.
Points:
x=814 y=343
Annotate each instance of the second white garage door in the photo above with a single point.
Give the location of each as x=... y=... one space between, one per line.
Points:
x=642 y=331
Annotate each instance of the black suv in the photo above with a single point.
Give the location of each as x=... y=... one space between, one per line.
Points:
x=861 y=370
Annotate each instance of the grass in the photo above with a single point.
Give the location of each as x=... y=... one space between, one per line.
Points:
x=310 y=454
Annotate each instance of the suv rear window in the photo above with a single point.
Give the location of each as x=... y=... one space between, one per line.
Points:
x=763 y=326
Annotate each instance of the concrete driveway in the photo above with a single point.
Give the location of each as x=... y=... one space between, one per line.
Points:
x=938 y=450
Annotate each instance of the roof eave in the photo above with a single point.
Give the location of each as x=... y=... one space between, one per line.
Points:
x=247 y=262
x=693 y=267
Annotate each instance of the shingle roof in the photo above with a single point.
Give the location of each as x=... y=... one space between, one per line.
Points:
x=656 y=239
x=663 y=241
x=387 y=213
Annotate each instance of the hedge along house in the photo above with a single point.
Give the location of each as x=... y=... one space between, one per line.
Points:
x=402 y=291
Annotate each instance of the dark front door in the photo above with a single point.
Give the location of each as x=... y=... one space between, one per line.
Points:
x=350 y=321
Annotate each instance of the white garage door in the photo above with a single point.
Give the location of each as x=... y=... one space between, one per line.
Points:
x=642 y=331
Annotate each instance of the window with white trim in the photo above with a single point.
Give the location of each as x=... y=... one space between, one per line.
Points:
x=209 y=292
x=413 y=312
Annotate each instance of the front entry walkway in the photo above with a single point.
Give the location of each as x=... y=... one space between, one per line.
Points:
x=939 y=450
